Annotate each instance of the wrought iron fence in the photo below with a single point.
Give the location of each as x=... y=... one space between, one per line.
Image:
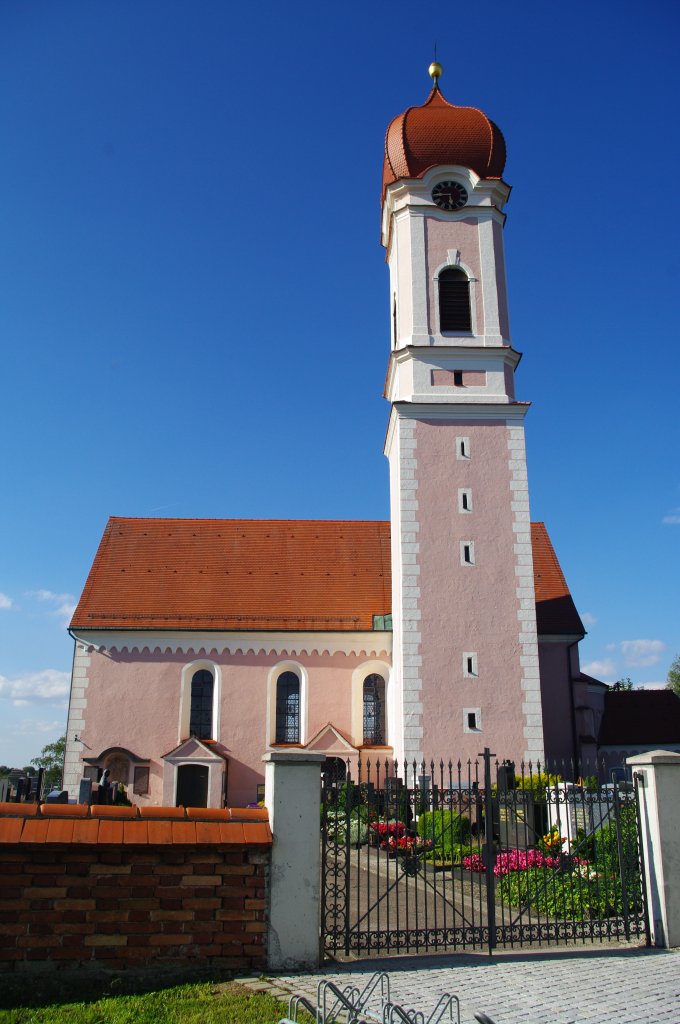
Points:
x=426 y=857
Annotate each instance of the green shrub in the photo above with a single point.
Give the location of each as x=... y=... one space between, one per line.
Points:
x=446 y=830
x=453 y=858
x=336 y=826
x=561 y=894
x=604 y=848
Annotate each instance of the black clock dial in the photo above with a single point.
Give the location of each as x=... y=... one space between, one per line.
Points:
x=449 y=195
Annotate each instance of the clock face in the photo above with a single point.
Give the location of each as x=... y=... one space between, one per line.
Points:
x=449 y=195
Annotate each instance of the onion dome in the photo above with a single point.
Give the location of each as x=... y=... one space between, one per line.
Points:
x=440 y=133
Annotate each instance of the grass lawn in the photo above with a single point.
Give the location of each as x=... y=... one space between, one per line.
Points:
x=207 y=1003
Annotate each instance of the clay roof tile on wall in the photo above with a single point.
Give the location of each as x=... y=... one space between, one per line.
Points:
x=264 y=574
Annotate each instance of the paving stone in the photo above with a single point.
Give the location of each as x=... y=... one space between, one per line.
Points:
x=625 y=985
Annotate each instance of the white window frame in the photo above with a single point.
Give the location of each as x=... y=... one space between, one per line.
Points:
x=470 y=656
x=470 y=545
x=272 y=679
x=188 y=673
x=369 y=668
x=477 y=712
x=463 y=446
x=463 y=493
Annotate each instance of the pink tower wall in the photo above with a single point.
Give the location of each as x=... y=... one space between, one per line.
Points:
x=468 y=608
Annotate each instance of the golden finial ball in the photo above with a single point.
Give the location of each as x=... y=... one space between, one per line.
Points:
x=435 y=70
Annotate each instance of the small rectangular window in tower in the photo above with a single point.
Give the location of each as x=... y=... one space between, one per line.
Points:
x=467 y=552
x=464 y=499
x=472 y=720
x=458 y=378
x=470 y=664
x=463 y=447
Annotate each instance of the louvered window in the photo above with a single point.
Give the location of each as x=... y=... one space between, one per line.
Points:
x=454 y=301
x=374 y=710
x=288 y=708
x=201 y=722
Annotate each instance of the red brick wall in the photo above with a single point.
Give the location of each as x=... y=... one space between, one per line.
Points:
x=76 y=904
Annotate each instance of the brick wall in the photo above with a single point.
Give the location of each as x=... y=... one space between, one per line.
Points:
x=189 y=900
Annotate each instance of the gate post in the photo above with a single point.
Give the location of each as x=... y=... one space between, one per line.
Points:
x=658 y=777
x=292 y=796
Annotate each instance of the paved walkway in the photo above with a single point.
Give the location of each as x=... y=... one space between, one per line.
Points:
x=622 y=985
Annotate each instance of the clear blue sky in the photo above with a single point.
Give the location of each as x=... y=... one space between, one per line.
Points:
x=194 y=302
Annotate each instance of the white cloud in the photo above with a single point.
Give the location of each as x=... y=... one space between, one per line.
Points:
x=65 y=604
x=49 y=595
x=651 y=686
x=588 y=619
x=673 y=518
x=5 y=601
x=603 y=667
x=47 y=685
x=642 y=653
x=29 y=726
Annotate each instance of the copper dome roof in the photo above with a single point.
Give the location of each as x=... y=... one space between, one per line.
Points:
x=440 y=133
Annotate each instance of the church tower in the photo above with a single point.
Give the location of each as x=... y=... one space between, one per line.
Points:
x=465 y=655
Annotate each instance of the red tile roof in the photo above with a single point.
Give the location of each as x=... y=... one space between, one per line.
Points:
x=640 y=717
x=236 y=574
x=440 y=133
x=556 y=613
x=246 y=574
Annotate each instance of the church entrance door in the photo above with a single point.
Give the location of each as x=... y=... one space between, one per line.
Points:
x=192 y=785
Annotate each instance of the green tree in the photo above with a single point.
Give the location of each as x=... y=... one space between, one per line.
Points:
x=673 y=677
x=623 y=684
x=51 y=758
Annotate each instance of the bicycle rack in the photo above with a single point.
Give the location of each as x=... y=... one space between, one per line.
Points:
x=332 y=1003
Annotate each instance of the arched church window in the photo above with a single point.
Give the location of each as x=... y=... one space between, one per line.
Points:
x=201 y=720
x=287 y=708
x=454 y=300
x=374 y=710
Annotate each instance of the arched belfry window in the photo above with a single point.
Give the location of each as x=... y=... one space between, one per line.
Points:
x=454 y=300
x=201 y=719
x=287 y=708
x=374 y=710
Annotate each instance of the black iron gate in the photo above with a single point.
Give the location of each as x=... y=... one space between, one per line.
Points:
x=432 y=857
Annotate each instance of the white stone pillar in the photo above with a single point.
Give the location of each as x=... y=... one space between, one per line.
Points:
x=660 y=823
x=292 y=796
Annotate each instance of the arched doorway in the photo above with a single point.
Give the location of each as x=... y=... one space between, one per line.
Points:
x=334 y=771
x=192 y=785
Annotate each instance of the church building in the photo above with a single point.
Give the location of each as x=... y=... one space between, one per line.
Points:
x=202 y=644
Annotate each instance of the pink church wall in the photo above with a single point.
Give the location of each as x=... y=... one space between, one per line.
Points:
x=468 y=608
x=440 y=236
x=133 y=701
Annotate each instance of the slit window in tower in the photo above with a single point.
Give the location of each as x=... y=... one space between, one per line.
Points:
x=469 y=664
x=463 y=447
x=454 y=300
x=464 y=499
x=472 y=720
x=467 y=552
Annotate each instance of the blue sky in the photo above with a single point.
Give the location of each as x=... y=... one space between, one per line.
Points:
x=194 y=302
